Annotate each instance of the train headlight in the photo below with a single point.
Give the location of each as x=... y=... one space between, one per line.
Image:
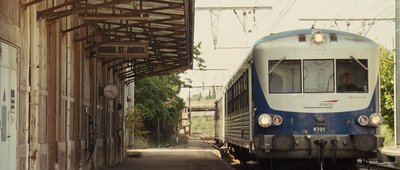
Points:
x=265 y=120
x=317 y=38
x=375 y=119
x=277 y=120
x=363 y=120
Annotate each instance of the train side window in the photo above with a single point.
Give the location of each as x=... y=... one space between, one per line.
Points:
x=285 y=76
x=318 y=76
x=351 y=76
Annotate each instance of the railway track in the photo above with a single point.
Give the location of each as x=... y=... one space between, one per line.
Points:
x=254 y=165
x=378 y=166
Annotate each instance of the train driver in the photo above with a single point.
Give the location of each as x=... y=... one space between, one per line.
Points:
x=347 y=85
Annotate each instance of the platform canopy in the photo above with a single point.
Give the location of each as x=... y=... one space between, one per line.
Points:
x=164 y=26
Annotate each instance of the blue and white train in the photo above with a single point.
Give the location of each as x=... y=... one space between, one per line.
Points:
x=309 y=95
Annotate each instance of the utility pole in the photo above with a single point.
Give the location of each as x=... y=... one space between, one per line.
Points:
x=190 y=116
x=215 y=13
x=158 y=132
x=397 y=76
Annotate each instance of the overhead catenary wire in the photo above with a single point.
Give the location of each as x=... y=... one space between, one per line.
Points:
x=373 y=22
x=330 y=8
x=219 y=9
x=379 y=3
x=391 y=8
x=281 y=15
x=366 y=23
x=248 y=32
x=348 y=6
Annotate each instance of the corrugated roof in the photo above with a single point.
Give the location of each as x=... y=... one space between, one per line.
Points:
x=166 y=25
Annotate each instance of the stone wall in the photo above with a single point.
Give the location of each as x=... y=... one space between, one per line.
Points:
x=60 y=105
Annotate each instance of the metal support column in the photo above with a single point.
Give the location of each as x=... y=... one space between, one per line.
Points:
x=397 y=76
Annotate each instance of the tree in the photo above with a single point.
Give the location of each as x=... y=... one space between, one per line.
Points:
x=197 y=97
x=134 y=122
x=157 y=98
x=387 y=86
x=134 y=119
x=209 y=94
x=214 y=93
x=200 y=61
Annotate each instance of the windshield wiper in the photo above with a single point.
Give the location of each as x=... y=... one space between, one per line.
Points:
x=359 y=63
x=276 y=65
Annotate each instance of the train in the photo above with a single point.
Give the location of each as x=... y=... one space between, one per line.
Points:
x=306 y=96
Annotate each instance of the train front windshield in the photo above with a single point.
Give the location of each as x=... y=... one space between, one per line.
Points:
x=319 y=76
x=285 y=76
x=352 y=76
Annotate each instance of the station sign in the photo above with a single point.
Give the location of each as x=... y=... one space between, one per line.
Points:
x=123 y=50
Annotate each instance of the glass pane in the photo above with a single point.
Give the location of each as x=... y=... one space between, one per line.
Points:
x=318 y=76
x=285 y=78
x=351 y=76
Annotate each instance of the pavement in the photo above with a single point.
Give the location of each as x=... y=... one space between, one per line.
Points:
x=195 y=155
x=392 y=151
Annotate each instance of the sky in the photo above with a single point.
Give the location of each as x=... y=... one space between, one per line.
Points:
x=238 y=32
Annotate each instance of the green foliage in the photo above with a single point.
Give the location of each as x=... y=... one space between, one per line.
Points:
x=196 y=52
x=200 y=64
x=203 y=125
x=134 y=121
x=157 y=98
x=211 y=93
x=387 y=87
x=387 y=133
x=196 y=97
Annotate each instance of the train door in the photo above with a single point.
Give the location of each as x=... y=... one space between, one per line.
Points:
x=8 y=106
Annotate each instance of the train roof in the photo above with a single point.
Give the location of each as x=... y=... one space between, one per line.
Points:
x=244 y=65
x=292 y=33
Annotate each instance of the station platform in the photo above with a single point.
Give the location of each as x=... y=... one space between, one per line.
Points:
x=390 y=155
x=195 y=155
x=391 y=151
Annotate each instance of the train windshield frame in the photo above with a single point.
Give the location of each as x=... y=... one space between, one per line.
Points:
x=285 y=77
x=352 y=75
x=318 y=76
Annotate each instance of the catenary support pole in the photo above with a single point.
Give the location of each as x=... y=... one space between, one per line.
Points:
x=397 y=76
